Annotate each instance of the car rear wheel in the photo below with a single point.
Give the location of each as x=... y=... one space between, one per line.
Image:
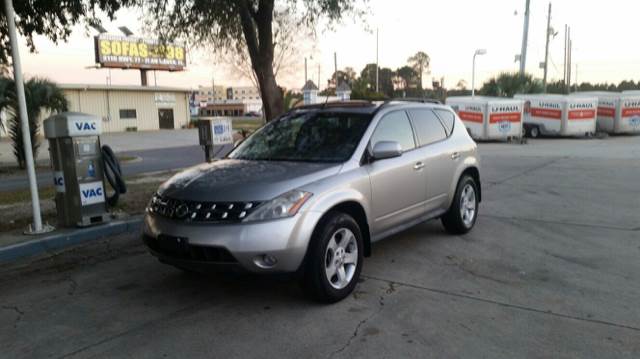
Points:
x=462 y=215
x=334 y=259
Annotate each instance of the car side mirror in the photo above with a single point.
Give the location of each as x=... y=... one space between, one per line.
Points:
x=386 y=149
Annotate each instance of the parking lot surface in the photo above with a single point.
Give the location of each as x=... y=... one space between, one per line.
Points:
x=551 y=270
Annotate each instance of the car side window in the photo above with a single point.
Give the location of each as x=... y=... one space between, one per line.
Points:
x=428 y=126
x=448 y=119
x=395 y=126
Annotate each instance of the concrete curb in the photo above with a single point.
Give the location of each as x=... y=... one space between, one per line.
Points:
x=56 y=241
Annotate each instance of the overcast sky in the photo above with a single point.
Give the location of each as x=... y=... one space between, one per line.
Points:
x=604 y=37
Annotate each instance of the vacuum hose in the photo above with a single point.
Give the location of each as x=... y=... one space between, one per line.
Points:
x=113 y=173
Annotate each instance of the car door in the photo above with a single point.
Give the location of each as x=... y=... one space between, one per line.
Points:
x=436 y=154
x=398 y=189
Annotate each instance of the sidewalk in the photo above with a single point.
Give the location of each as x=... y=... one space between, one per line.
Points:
x=119 y=141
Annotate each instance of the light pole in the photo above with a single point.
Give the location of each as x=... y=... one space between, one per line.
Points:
x=473 y=70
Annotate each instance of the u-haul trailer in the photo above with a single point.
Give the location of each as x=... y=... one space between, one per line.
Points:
x=559 y=115
x=489 y=118
x=618 y=113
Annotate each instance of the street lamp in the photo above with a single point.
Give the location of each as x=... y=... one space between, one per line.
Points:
x=473 y=71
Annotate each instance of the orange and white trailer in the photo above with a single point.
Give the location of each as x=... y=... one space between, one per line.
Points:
x=559 y=115
x=489 y=118
x=618 y=112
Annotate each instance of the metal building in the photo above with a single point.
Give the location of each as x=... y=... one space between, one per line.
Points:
x=131 y=108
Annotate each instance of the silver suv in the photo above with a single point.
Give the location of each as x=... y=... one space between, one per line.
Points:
x=312 y=190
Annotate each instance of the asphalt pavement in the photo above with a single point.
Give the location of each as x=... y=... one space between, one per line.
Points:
x=550 y=271
x=153 y=160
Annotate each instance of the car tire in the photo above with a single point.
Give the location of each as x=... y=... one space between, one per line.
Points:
x=463 y=212
x=334 y=258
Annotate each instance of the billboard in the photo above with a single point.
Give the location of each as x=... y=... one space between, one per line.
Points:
x=128 y=52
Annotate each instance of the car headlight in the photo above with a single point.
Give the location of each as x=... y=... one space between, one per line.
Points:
x=285 y=205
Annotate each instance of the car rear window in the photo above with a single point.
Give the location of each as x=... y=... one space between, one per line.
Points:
x=427 y=126
x=448 y=119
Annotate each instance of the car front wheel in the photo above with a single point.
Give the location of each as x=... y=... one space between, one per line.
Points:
x=334 y=259
x=462 y=215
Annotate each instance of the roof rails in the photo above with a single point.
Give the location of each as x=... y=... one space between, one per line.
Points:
x=408 y=99
x=333 y=104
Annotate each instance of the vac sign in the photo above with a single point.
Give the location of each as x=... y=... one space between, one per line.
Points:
x=83 y=127
x=91 y=193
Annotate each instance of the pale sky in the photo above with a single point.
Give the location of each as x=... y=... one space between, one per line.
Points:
x=604 y=37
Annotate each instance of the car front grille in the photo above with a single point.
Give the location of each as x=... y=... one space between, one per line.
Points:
x=179 y=248
x=194 y=211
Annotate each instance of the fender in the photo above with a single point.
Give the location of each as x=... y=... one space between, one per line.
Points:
x=469 y=162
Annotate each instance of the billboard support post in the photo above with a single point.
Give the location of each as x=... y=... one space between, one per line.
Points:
x=143 y=77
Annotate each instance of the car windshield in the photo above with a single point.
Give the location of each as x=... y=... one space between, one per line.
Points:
x=308 y=136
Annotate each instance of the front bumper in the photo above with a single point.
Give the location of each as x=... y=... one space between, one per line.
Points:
x=231 y=246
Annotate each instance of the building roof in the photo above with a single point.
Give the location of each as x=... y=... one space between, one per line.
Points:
x=310 y=86
x=343 y=87
x=102 y=87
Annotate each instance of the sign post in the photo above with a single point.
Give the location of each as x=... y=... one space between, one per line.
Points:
x=37 y=226
x=216 y=131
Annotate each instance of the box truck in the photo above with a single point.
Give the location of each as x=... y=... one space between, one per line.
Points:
x=559 y=115
x=489 y=118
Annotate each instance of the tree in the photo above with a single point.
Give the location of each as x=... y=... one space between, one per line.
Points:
x=509 y=84
x=409 y=78
x=240 y=24
x=52 y=19
x=41 y=95
x=385 y=79
x=348 y=76
x=289 y=41
x=420 y=63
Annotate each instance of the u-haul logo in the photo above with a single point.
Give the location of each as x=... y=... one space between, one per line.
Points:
x=505 y=108
x=552 y=105
x=589 y=105
x=91 y=193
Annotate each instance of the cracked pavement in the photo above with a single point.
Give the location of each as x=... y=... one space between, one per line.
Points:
x=549 y=271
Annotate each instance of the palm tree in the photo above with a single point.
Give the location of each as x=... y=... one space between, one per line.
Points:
x=41 y=95
x=509 y=84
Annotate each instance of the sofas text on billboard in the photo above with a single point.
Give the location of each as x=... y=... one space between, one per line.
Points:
x=138 y=53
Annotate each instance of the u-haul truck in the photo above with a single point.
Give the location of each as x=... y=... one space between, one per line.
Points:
x=559 y=115
x=489 y=118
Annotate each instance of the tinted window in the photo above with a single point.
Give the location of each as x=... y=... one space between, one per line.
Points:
x=428 y=126
x=307 y=136
x=127 y=114
x=448 y=118
x=395 y=127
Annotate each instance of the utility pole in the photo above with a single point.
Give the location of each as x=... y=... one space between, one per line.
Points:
x=575 y=83
x=546 y=50
x=569 y=67
x=377 y=64
x=525 y=37
x=37 y=226
x=566 y=42
x=305 y=71
x=335 y=66
x=318 y=77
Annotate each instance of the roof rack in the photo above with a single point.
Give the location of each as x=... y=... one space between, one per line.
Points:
x=333 y=104
x=408 y=99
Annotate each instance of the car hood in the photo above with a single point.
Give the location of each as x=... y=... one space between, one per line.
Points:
x=243 y=181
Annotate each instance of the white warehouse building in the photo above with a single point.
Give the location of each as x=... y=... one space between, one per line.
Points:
x=127 y=108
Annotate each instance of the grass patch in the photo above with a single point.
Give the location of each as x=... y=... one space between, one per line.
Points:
x=25 y=195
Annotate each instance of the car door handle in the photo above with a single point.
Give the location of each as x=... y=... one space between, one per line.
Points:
x=455 y=156
x=418 y=166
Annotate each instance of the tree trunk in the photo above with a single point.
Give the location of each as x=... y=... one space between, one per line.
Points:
x=258 y=33
x=272 y=97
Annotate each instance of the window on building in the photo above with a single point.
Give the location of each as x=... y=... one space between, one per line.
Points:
x=128 y=114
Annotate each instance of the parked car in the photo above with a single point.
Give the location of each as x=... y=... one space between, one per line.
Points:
x=312 y=190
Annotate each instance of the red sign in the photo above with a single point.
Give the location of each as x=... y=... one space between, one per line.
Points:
x=546 y=113
x=606 y=112
x=628 y=112
x=582 y=114
x=505 y=116
x=471 y=116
